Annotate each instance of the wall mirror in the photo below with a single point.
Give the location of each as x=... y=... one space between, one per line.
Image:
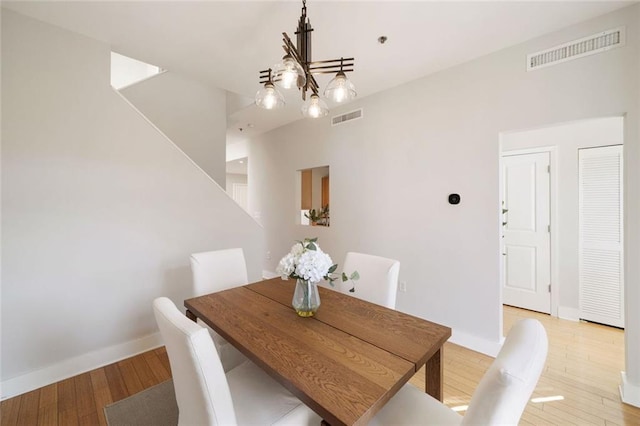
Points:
x=314 y=196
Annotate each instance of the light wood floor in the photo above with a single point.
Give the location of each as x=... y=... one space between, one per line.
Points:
x=583 y=367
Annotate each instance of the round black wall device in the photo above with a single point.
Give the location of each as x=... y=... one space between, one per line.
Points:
x=454 y=199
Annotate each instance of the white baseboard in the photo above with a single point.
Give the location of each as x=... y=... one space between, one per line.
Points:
x=630 y=393
x=477 y=344
x=571 y=314
x=268 y=274
x=77 y=365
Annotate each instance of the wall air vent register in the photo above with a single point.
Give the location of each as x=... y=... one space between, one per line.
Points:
x=596 y=43
x=343 y=118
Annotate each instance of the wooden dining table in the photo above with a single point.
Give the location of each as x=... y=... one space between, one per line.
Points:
x=345 y=362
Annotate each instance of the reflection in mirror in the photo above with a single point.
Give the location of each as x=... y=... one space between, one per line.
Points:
x=314 y=196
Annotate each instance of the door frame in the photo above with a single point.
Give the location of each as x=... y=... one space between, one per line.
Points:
x=553 y=220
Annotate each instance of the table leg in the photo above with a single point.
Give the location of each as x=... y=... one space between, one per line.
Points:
x=190 y=315
x=434 y=376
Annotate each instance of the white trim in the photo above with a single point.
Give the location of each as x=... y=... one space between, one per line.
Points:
x=487 y=347
x=567 y=313
x=269 y=274
x=78 y=365
x=629 y=392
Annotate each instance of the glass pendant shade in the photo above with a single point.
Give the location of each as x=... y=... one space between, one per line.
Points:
x=269 y=97
x=340 y=89
x=314 y=107
x=289 y=74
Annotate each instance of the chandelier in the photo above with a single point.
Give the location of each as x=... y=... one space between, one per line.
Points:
x=297 y=70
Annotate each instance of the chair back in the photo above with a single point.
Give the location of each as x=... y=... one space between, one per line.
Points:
x=201 y=387
x=218 y=270
x=506 y=387
x=378 y=281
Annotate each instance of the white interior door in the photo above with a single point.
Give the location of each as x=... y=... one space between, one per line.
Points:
x=526 y=231
x=601 y=242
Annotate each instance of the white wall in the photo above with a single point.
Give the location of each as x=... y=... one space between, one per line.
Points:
x=564 y=140
x=190 y=114
x=237 y=150
x=99 y=211
x=392 y=171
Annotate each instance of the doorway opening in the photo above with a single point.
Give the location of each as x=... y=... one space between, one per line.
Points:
x=520 y=267
x=237 y=181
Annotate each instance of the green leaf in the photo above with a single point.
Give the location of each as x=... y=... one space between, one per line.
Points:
x=355 y=276
x=312 y=240
x=333 y=268
x=344 y=277
x=311 y=246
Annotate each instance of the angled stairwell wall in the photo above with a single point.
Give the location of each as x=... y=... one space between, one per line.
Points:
x=192 y=115
x=100 y=212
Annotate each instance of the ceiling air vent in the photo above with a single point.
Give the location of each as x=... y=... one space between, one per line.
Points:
x=340 y=119
x=590 y=45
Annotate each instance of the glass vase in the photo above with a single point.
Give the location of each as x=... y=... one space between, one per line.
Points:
x=306 y=298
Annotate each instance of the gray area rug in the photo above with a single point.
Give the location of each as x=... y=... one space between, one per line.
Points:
x=155 y=406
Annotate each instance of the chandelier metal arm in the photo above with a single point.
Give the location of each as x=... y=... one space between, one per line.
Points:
x=265 y=76
x=341 y=60
x=292 y=50
x=328 y=69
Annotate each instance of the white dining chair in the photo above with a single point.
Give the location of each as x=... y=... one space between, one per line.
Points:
x=245 y=395
x=216 y=271
x=378 y=282
x=501 y=395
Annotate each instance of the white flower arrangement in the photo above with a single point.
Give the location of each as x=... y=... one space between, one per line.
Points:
x=306 y=261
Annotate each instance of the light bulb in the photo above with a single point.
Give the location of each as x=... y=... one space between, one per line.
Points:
x=340 y=94
x=289 y=73
x=269 y=98
x=340 y=89
x=315 y=107
x=314 y=111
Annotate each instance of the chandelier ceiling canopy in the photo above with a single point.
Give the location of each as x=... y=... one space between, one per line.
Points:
x=297 y=70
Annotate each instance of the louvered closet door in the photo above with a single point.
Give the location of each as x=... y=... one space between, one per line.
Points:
x=601 y=256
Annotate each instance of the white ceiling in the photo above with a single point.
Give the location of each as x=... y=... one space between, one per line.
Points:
x=238 y=166
x=226 y=43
